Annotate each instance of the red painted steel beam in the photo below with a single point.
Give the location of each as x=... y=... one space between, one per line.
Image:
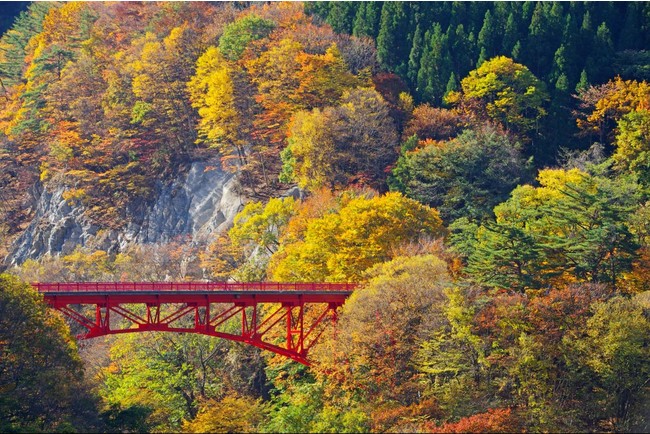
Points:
x=159 y=287
x=196 y=299
x=244 y=299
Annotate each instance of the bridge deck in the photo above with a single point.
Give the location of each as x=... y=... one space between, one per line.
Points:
x=190 y=287
x=249 y=293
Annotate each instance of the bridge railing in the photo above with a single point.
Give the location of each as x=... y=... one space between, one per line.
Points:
x=189 y=286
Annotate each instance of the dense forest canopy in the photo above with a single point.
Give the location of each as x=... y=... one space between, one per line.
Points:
x=481 y=169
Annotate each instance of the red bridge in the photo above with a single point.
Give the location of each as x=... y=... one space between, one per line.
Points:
x=286 y=318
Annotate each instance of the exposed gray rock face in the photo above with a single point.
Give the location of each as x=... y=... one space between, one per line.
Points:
x=199 y=204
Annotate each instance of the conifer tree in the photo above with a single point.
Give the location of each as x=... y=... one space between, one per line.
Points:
x=452 y=84
x=510 y=34
x=538 y=44
x=13 y=43
x=414 y=57
x=559 y=64
x=458 y=13
x=341 y=16
x=366 y=21
x=482 y=57
x=603 y=56
x=586 y=33
x=463 y=50
x=583 y=83
x=631 y=37
x=434 y=66
x=487 y=37
x=516 y=51
x=391 y=50
x=571 y=41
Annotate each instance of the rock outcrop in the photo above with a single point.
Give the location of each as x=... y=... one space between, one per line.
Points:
x=200 y=203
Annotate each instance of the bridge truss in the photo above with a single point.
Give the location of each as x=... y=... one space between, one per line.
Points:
x=285 y=318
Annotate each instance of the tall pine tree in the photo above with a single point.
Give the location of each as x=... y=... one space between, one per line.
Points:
x=394 y=28
x=414 y=57
x=366 y=22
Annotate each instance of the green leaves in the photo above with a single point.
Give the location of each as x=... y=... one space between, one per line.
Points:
x=615 y=348
x=261 y=225
x=41 y=375
x=505 y=92
x=572 y=227
x=238 y=34
x=463 y=177
x=633 y=145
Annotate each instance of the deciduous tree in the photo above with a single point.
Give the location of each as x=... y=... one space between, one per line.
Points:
x=505 y=92
x=338 y=247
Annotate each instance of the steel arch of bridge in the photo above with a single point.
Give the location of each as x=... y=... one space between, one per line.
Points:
x=269 y=313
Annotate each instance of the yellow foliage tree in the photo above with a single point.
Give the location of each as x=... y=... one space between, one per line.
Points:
x=232 y=414
x=370 y=357
x=324 y=78
x=340 y=246
x=275 y=73
x=213 y=94
x=610 y=102
x=261 y=224
x=351 y=143
x=633 y=144
x=502 y=91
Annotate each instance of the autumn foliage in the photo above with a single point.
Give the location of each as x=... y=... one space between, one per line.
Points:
x=484 y=182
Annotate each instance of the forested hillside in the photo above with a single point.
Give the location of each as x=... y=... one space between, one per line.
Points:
x=432 y=46
x=481 y=169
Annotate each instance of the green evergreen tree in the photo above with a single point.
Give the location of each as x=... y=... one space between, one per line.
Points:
x=560 y=65
x=500 y=13
x=562 y=85
x=462 y=51
x=631 y=37
x=423 y=90
x=425 y=14
x=435 y=64
x=322 y=9
x=482 y=57
x=556 y=122
x=14 y=42
x=586 y=33
x=583 y=83
x=392 y=53
x=414 y=57
x=574 y=224
x=571 y=42
x=452 y=84
x=458 y=13
x=510 y=35
x=527 y=10
x=516 y=51
x=603 y=55
x=476 y=15
x=366 y=22
x=540 y=44
x=341 y=16
x=645 y=23
x=487 y=37
x=556 y=23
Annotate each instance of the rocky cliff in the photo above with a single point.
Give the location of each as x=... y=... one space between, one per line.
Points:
x=198 y=204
